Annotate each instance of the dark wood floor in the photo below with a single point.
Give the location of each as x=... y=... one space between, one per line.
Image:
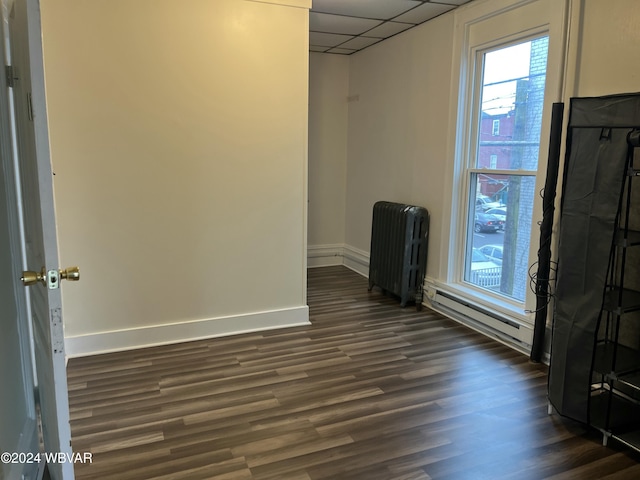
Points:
x=368 y=391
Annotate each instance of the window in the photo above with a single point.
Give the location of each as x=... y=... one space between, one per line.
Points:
x=510 y=57
x=511 y=83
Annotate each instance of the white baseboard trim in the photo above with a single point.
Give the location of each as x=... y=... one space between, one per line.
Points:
x=338 y=254
x=325 y=255
x=357 y=260
x=129 y=339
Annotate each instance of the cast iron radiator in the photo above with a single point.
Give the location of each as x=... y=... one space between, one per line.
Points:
x=398 y=261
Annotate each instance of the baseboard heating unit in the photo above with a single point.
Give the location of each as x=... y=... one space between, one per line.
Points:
x=517 y=334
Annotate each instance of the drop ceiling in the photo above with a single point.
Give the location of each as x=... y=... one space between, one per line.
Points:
x=344 y=27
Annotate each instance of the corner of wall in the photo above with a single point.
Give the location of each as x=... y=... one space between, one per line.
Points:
x=339 y=254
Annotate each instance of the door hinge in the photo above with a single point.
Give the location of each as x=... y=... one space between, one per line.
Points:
x=10 y=74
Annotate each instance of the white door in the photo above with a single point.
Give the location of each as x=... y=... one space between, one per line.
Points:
x=18 y=427
x=40 y=230
x=18 y=420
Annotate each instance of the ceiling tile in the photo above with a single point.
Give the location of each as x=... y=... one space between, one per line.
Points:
x=314 y=48
x=424 y=12
x=359 y=42
x=388 y=29
x=323 y=22
x=382 y=9
x=327 y=39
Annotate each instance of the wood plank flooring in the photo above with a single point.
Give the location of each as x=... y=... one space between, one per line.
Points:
x=369 y=391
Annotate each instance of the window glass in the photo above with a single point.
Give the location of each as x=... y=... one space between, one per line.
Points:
x=512 y=95
x=501 y=203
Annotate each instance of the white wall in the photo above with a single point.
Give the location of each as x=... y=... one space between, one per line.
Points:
x=398 y=129
x=179 y=144
x=328 y=129
x=608 y=49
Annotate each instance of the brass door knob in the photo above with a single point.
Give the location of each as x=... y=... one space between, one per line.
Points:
x=31 y=278
x=51 y=278
x=72 y=274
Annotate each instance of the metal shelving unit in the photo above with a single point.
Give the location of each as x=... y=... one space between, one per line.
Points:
x=615 y=394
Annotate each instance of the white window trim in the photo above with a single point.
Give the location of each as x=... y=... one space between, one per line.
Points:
x=495 y=131
x=463 y=66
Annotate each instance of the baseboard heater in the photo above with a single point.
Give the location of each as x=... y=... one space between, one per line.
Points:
x=482 y=319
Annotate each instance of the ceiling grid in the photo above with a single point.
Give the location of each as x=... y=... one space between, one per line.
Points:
x=344 y=27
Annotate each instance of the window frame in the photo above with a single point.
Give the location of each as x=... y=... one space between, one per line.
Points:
x=481 y=27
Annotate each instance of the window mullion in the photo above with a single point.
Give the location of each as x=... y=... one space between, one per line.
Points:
x=497 y=171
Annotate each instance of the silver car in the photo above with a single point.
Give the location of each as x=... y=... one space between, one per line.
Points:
x=493 y=253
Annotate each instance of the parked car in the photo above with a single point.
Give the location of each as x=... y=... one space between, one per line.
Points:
x=485 y=222
x=493 y=253
x=479 y=260
x=484 y=272
x=500 y=212
x=484 y=203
